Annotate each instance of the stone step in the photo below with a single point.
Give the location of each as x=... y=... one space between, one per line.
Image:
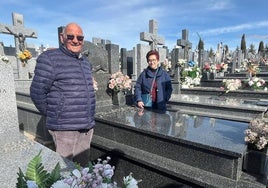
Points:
x=176 y=170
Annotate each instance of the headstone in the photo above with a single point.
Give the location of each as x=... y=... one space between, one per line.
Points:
x=130 y=65
x=239 y=58
x=20 y=34
x=123 y=60
x=113 y=58
x=130 y=62
x=60 y=30
x=195 y=56
x=97 y=56
x=201 y=58
x=9 y=127
x=100 y=42
x=219 y=52
x=15 y=148
x=175 y=69
x=135 y=60
x=185 y=44
x=8 y=110
x=142 y=50
x=96 y=40
x=152 y=37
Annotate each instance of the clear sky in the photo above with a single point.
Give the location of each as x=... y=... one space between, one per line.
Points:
x=121 y=21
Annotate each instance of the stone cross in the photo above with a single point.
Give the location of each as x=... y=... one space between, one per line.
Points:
x=19 y=31
x=152 y=36
x=184 y=43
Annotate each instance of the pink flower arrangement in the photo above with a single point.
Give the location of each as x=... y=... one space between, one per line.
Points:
x=207 y=67
x=119 y=82
x=221 y=67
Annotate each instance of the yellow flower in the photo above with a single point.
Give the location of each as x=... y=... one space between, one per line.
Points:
x=25 y=55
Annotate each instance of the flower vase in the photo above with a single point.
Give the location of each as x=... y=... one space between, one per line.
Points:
x=118 y=98
x=212 y=75
x=256 y=161
x=206 y=75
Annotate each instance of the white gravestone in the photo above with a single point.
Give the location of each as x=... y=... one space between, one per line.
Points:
x=16 y=149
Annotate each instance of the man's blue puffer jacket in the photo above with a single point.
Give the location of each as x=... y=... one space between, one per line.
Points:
x=62 y=90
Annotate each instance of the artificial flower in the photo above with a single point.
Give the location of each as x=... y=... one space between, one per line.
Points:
x=4 y=59
x=25 y=55
x=119 y=82
x=257 y=133
x=166 y=65
x=232 y=84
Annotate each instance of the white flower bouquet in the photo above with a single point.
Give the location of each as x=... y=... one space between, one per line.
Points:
x=257 y=133
x=4 y=59
x=256 y=83
x=181 y=62
x=166 y=65
x=232 y=84
x=190 y=77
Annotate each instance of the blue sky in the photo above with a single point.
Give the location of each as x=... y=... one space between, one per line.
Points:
x=121 y=21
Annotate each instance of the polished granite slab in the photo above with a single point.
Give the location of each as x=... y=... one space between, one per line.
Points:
x=227 y=101
x=198 y=130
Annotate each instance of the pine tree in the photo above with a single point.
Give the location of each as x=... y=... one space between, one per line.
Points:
x=252 y=49
x=200 y=44
x=261 y=49
x=243 y=46
x=226 y=49
x=266 y=49
x=211 y=53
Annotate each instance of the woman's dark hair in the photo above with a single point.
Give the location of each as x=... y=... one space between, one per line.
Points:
x=152 y=52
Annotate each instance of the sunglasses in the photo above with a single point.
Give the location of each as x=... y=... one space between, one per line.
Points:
x=79 y=37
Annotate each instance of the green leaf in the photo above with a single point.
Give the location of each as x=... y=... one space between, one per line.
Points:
x=36 y=172
x=53 y=176
x=21 y=182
